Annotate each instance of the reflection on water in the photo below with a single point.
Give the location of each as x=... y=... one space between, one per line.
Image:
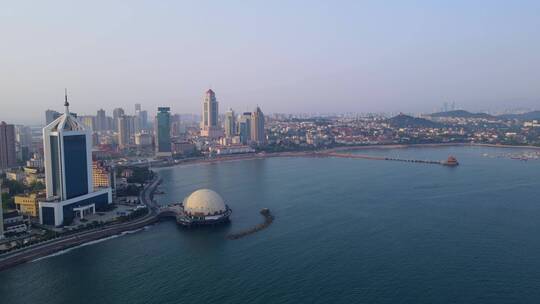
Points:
x=346 y=231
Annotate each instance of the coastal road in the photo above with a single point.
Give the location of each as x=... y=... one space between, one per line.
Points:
x=50 y=247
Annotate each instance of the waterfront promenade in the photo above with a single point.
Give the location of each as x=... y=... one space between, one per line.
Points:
x=36 y=251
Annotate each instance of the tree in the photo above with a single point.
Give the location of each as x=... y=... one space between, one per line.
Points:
x=8 y=202
x=36 y=186
x=14 y=187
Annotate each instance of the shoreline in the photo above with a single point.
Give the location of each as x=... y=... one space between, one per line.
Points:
x=55 y=246
x=47 y=248
x=323 y=152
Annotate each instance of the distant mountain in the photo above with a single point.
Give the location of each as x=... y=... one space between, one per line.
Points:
x=406 y=121
x=534 y=115
x=462 y=114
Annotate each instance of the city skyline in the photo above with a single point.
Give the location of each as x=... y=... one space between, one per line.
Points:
x=51 y=112
x=370 y=57
x=269 y=151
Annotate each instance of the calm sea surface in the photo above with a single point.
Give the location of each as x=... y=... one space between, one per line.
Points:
x=346 y=231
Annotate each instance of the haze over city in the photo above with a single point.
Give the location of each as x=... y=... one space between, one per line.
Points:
x=306 y=56
x=269 y=152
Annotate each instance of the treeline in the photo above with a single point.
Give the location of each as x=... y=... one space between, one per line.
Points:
x=14 y=187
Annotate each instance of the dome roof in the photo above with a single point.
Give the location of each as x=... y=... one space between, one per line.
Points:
x=204 y=201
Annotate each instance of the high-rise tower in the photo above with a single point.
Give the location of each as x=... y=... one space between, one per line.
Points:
x=68 y=172
x=101 y=121
x=209 y=125
x=8 y=155
x=244 y=128
x=126 y=130
x=230 y=124
x=163 y=132
x=257 y=127
x=117 y=113
x=141 y=118
x=1 y=215
x=50 y=116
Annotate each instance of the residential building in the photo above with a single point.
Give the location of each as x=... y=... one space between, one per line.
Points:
x=23 y=142
x=16 y=175
x=50 y=116
x=1 y=214
x=531 y=124
x=103 y=176
x=257 y=127
x=102 y=123
x=141 y=118
x=244 y=128
x=88 y=121
x=230 y=124
x=126 y=130
x=117 y=113
x=35 y=162
x=8 y=156
x=143 y=140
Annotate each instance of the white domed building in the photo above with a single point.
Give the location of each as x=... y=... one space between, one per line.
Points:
x=204 y=207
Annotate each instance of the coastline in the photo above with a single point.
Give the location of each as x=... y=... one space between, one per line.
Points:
x=324 y=152
x=54 y=246
x=12 y=259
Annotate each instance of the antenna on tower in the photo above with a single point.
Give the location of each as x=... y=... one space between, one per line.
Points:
x=66 y=103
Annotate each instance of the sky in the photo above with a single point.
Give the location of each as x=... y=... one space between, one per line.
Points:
x=285 y=56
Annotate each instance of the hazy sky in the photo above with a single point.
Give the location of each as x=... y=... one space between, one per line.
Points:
x=286 y=56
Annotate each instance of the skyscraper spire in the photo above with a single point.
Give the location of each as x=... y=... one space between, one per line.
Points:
x=66 y=103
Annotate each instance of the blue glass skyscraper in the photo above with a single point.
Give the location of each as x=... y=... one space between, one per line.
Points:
x=163 y=132
x=68 y=172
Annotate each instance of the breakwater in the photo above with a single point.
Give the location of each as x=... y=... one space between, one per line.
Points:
x=268 y=219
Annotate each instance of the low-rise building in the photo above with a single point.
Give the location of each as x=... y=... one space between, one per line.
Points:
x=18 y=176
x=35 y=162
x=39 y=178
x=29 y=204
x=14 y=223
x=532 y=124
x=143 y=139
x=101 y=175
x=183 y=147
x=232 y=149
